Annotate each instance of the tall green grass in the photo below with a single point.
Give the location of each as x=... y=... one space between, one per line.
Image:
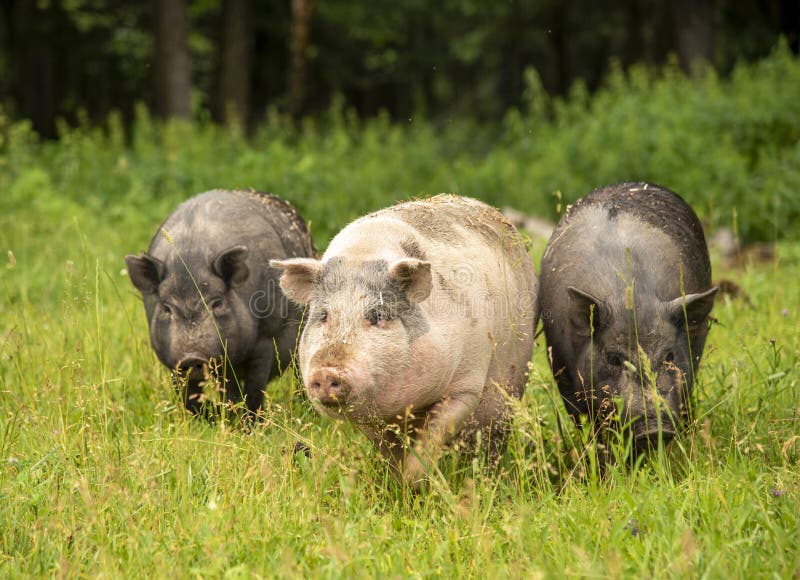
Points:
x=102 y=473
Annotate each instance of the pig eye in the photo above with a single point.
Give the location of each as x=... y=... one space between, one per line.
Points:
x=376 y=316
x=614 y=359
x=322 y=316
x=216 y=305
x=166 y=310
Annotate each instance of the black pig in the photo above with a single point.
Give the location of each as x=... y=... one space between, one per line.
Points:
x=211 y=299
x=625 y=299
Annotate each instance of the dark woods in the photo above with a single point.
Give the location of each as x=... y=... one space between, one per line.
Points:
x=235 y=59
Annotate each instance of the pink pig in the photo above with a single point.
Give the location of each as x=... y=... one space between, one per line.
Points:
x=420 y=326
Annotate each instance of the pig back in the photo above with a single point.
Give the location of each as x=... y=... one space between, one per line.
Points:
x=623 y=226
x=217 y=219
x=484 y=286
x=664 y=217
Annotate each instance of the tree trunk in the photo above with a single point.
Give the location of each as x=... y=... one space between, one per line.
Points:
x=301 y=29
x=632 y=47
x=693 y=21
x=33 y=65
x=172 y=63
x=790 y=23
x=237 y=49
x=560 y=39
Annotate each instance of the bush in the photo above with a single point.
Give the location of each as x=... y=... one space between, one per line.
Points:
x=730 y=146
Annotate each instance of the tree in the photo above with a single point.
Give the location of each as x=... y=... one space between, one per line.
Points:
x=172 y=64
x=694 y=31
x=34 y=63
x=235 y=67
x=632 y=47
x=300 y=37
x=78 y=60
x=790 y=22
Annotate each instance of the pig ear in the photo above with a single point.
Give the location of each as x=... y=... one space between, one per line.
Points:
x=299 y=278
x=698 y=307
x=231 y=265
x=413 y=276
x=145 y=271
x=587 y=314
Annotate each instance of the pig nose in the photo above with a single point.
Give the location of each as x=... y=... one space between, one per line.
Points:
x=193 y=367
x=328 y=386
x=649 y=431
x=649 y=440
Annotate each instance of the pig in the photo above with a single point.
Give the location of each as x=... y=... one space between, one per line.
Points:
x=625 y=298
x=419 y=328
x=212 y=301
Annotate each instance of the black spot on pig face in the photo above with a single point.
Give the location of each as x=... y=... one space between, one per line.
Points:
x=412 y=249
x=390 y=292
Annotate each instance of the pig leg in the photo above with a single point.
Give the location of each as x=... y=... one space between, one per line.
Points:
x=234 y=387
x=445 y=419
x=256 y=377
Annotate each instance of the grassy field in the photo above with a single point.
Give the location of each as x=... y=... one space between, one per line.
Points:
x=102 y=475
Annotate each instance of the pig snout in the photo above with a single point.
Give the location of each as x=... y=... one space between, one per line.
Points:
x=194 y=367
x=655 y=416
x=648 y=433
x=328 y=386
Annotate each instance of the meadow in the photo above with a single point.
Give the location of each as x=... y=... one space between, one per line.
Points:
x=102 y=473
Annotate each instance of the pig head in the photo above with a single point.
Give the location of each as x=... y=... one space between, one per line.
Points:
x=362 y=320
x=634 y=361
x=197 y=319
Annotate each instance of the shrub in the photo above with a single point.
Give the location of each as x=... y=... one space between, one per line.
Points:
x=730 y=146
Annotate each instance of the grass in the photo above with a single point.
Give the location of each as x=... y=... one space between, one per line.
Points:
x=102 y=473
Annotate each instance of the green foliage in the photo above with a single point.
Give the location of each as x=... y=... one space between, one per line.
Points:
x=730 y=147
x=448 y=58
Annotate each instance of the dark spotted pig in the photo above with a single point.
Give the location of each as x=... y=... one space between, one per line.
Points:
x=625 y=296
x=211 y=299
x=420 y=325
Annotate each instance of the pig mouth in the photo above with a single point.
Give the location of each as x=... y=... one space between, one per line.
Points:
x=195 y=368
x=645 y=440
x=335 y=408
x=331 y=403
